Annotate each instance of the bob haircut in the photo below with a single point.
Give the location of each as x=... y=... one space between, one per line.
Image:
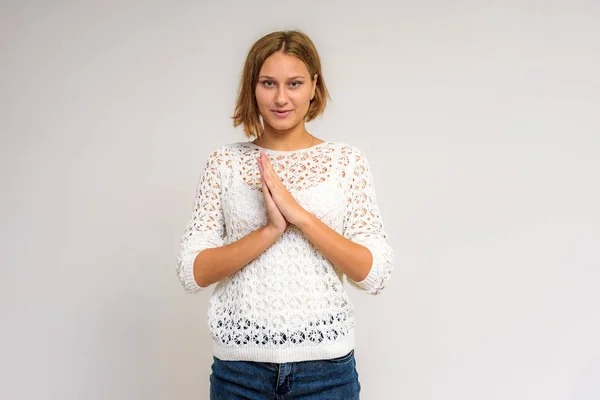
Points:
x=294 y=43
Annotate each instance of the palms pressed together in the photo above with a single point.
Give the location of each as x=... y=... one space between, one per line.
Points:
x=282 y=208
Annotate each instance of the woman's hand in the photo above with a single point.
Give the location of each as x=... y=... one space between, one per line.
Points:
x=276 y=220
x=278 y=194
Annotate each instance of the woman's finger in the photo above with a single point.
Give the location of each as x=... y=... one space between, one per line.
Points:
x=259 y=161
x=266 y=173
x=265 y=187
x=268 y=165
x=266 y=193
x=269 y=173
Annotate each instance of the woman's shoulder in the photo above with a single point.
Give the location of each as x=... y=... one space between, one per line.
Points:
x=236 y=148
x=227 y=150
x=346 y=147
x=350 y=153
x=226 y=147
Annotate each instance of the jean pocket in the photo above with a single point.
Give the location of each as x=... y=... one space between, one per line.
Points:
x=342 y=359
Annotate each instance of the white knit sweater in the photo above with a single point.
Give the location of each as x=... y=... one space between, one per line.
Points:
x=288 y=304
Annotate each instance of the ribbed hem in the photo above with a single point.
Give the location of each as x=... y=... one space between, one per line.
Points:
x=381 y=266
x=187 y=274
x=285 y=355
x=372 y=279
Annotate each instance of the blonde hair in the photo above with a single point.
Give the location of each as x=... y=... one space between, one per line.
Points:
x=291 y=42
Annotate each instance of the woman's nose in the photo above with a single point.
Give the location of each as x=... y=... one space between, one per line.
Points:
x=281 y=96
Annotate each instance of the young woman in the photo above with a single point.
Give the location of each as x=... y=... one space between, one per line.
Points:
x=277 y=223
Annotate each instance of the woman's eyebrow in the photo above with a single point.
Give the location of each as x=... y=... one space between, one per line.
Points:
x=270 y=77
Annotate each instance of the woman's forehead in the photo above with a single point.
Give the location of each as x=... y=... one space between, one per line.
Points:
x=281 y=65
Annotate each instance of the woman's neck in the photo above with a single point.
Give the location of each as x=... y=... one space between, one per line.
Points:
x=286 y=141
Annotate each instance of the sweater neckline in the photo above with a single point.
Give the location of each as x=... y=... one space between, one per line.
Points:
x=316 y=146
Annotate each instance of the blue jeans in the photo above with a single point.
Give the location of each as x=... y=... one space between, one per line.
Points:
x=333 y=379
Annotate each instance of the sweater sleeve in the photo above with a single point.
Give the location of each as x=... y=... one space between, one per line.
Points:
x=363 y=225
x=206 y=227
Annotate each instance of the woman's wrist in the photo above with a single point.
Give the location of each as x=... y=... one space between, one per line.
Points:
x=271 y=233
x=304 y=220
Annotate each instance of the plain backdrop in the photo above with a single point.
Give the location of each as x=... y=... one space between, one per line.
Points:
x=481 y=123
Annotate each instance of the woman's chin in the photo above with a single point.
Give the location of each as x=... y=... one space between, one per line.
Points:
x=282 y=125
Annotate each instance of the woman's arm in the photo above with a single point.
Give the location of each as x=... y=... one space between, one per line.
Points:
x=204 y=258
x=353 y=259
x=362 y=252
x=363 y=225
x=213 y=264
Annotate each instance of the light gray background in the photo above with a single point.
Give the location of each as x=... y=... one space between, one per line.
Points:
x=480 y=120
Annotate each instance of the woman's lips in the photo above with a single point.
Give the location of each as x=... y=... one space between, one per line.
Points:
x=281 y=114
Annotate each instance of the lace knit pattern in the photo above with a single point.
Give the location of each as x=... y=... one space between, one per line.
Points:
x=289 y=303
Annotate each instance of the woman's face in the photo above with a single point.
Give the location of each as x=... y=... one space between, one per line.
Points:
x=284 y=91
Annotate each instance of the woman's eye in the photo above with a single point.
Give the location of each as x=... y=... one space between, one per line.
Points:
x=293 y=84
